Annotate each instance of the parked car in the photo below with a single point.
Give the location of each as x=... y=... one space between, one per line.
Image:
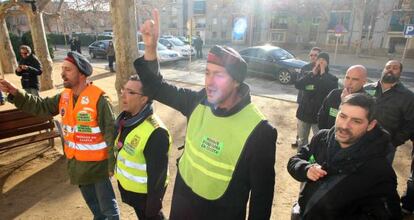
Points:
x=98 y=48
x=176 y=44
x=186 y=40
x=273 y=61
x=164 y=54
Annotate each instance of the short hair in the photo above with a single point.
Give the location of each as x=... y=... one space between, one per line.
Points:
x=317 y=49
x=362 y=100
x=26 y=48
x=401 y=65
x=134 y=77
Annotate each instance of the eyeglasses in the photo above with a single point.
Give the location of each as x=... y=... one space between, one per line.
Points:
x=131 y=92
x=313 y=55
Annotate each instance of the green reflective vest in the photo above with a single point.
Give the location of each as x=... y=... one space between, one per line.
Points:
x=212 y=148
x=131 y=167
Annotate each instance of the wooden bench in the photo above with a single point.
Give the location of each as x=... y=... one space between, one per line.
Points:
x=18 y=128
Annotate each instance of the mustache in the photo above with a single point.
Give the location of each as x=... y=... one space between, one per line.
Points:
x=344 y=130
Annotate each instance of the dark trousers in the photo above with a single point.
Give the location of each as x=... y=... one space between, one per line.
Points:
x=111 y=60
x=199 y=53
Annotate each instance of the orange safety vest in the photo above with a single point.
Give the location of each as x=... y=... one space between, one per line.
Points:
x=83 y=137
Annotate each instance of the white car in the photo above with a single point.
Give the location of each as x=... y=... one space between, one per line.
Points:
x=164 y=55
x=176 y=44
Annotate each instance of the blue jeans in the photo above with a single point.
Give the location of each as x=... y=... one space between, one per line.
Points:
x=100 y=198
x=303 y=132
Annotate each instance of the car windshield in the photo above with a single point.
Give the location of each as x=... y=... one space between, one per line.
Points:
x=161 y=47
x=141 y=46
x=176 y=42
x=282 y=54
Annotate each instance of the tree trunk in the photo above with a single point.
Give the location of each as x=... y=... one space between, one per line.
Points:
x=7 y=57
x=124 y=25
x=41 y=49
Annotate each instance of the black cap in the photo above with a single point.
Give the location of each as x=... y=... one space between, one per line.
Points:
x=230 y=59
x=81 y=62
x=325 y=56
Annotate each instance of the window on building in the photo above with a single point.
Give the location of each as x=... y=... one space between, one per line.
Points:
x=174 y=11
x=224 y=34
x=316 y=20
x=278 y=37
x=199 y=7
x=339 y=18
x=224 y=21
x=200 y=23
x=214 y=35
x=214 y=20
x=279 y=22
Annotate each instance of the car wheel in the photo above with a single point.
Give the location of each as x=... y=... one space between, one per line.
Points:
x=284 y=76
x=92 y=54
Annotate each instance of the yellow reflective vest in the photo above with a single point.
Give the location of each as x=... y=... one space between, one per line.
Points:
x=131 y=167
x=212 y=148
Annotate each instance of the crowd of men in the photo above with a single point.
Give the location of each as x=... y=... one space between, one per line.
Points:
x=229 y=152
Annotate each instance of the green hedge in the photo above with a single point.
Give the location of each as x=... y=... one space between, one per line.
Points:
x=26 y=39
x=85 y=39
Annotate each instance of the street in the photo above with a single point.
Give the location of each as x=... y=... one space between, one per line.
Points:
x=182 y=71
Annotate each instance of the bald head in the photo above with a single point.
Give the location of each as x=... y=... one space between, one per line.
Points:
x=355 y=78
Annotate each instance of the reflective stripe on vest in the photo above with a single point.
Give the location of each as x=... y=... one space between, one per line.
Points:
x=213 y=147
x=83 y=137
x=131 y=170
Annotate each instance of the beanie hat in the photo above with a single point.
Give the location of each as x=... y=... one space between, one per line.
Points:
x=80 y=62
x=325 y=56
x=230 y=59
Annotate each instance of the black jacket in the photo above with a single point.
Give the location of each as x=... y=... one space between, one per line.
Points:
x=394 y=110
x=315 y=89
x=258 y=155
x=329 y=108
x=305 y=69
x=369 y=189
x=156 y=157
x=30 y=76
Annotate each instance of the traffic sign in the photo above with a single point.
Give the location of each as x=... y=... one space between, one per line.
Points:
x=409 y=30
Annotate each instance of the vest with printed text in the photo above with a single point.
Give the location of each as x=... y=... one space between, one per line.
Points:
x=212 y=148
x=83 y=138
x=131 y=167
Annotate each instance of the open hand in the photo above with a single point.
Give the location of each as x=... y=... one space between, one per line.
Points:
x=7 y=87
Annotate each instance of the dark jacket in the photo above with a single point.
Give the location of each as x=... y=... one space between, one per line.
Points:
x=394 y=110
x=198 y=43
x=30 y=76
x=305 y=69
x=329 y=108
x=258 y=154
x=369 y=188
x=315 y=89
x=156 y=159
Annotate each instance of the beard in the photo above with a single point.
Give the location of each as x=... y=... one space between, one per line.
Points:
x=350 y=139
x=389 y=77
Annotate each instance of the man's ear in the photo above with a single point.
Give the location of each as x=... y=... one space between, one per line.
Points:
x=372 y=124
